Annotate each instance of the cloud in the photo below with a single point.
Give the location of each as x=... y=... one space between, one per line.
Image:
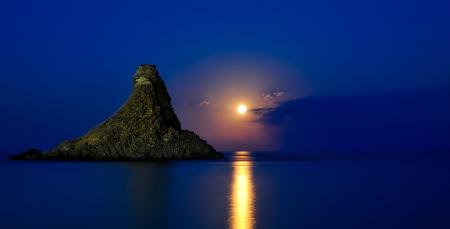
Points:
x=272 y=96
x=267 y=102
x=204 y=103
x=390 y=123
x=260 y=113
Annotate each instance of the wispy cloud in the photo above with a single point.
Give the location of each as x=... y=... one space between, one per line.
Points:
x=204 y=103
x=268 y=103
x=261 y=112
x=274 y=96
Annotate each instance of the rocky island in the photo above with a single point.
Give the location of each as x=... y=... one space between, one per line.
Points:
x=144 y=128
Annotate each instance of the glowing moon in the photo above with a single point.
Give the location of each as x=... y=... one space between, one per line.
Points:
x=242 y=109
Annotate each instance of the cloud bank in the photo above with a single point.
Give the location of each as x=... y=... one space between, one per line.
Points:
x=413 y=122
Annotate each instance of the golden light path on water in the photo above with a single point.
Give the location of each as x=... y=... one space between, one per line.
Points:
x=242 y=202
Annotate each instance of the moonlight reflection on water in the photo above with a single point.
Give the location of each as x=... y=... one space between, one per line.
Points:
x=242 y=193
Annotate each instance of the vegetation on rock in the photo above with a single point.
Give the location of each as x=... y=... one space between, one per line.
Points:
x=144 y=128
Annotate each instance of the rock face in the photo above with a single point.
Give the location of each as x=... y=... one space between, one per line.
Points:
x=144 y=128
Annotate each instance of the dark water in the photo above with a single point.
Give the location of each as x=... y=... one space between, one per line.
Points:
x=246 y=190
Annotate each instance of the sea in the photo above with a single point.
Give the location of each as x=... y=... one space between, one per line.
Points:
x=245 y=190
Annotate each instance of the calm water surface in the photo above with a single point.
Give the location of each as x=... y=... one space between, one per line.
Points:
x=246 y=190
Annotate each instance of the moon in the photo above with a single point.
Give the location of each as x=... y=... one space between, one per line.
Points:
x=241 y=109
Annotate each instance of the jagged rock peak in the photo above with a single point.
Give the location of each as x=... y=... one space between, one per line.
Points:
x=144 y=128
x=150 y=94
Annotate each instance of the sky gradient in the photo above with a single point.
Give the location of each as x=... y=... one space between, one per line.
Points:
x=67 y=65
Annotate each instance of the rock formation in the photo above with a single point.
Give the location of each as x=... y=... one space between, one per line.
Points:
x=144 y=128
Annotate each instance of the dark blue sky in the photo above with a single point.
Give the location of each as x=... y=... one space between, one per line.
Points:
x=66 y=65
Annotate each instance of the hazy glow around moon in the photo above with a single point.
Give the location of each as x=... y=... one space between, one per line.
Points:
x=209 y=92
x=242 y=109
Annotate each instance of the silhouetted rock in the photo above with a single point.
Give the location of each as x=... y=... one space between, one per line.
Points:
x=144 y=128
x=30 y=154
